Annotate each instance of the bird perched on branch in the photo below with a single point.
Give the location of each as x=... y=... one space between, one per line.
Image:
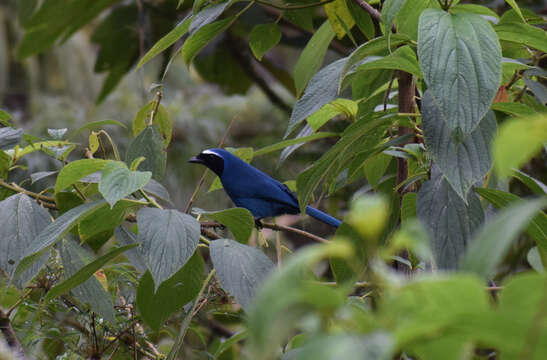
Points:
x=253 y=190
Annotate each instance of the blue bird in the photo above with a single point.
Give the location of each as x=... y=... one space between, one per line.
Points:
x=253 y=190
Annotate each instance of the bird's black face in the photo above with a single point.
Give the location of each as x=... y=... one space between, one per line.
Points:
x=210 y=159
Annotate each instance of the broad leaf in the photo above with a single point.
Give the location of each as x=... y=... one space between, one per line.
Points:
x=156 y=306
x=118 y=181
x=460 y=58
x=22 y=220
x=91 y=292
x=126 y=237
x=518 y=140
x=403 y=59
x=76 y=170
x=9 y=137
x=495 y=237
x=322 y=89
x=390 y=9
x=290 y=142
x=161 y=119
x=168 y=239
x=263 y=37
x=311 y=58
x=500 y=199
x=240 y=221
x=105 y=219
x=166 y=41
x=462 y=163
x=408 y=206
x=533 y=184
x=84 y=273
x=240 y=269
x=195 y=43
x=339 y=17
x=524 y=34
x=449 y=220
x=150 y=145
x=54 y=232
x=208 y=15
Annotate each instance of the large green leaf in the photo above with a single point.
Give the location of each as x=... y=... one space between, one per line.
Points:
x=449 y=220
x=311 y=58
x=339 y=17
x=126 y=237
x=518 y=140
x=495 y=237
x=240 y=269
x=156 y=306
x=118 y=181
x=390 y=9
x=291 y=142
x=150 y=145
x=105 y=219
x=55 y=231
x=462 y=163
x=84 y=273
x=409 y=15
x=460 y=58
x=240 y=221
x=500 y=199
x=168 y=239
x=195 y=43
x=74 y=258
x=76 y=170
x=403 y=59
x=166 y=41
x=22 y=220
x=263 y=37
x=322 y=89
x=524 y=34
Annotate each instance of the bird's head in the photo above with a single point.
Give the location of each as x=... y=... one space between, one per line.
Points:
x=212 y=158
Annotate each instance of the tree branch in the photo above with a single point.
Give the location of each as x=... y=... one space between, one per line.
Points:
x=11 y=338
x=375 y=14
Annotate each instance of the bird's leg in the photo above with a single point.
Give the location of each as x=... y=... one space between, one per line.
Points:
x=258 y=224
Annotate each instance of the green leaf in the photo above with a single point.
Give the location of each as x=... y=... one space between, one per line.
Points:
x=349 y=270
x=240 y=222
x=91 y=292
x=161 y=119
x=390 y=9
x=118 y=181
x=518 y=140
x=408 y=206
x=408 y=17
x=460 y=58
x=168 y=239
x=375 y=168
x=240 y=269
x=126 y=237
x=155 y=307
x=286 y=295
x=5 y=118
x=9 y=137
x=464 y=162
x=514 y=5
x=514 y=109
x=195 y=43
x=285 y=143
x=492 y=241
x=532 y=183
x=166 y=41
x=321 y=90
x=524 y=34
x=403 y=59
x=362 y=19
x=150 y=145
x=84 y=273
x=534 y=260
x=311 y=58
x=55 y=231
x=76 y=170
x=449 y=220
x=22 y=220
x=263 y=37
x=501 y=199
x=339 y=17
x=228 y=343
x=339 y=106
x=105 y=219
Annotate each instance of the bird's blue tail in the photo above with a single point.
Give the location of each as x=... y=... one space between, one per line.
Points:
x=321 y=216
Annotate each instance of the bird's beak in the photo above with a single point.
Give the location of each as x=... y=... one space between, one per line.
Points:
x=195 y=160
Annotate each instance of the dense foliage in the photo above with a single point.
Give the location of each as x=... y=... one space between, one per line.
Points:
x=430 y=122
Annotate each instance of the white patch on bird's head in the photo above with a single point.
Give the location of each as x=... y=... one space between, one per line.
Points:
x=211 y=152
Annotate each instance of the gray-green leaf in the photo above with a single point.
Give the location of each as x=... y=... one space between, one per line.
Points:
x=168 y=239
x=9 y=137
x=118 y=181
x=263 y=37
x=240 y=269
x=462 y=163
x=448 y=219
x=150 y=145
x=460 y=57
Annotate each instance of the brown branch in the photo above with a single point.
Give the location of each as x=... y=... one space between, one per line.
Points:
x=17 y=188
x=11 y=338
x=375 y=14
x=406 y=104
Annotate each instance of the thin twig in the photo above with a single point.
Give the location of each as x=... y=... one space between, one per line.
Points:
x=19 y=301
x=202 y=180
x=289 y=229
x=375 y=14
x=19 y=189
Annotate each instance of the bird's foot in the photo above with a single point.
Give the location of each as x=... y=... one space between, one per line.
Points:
x=258 y=224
